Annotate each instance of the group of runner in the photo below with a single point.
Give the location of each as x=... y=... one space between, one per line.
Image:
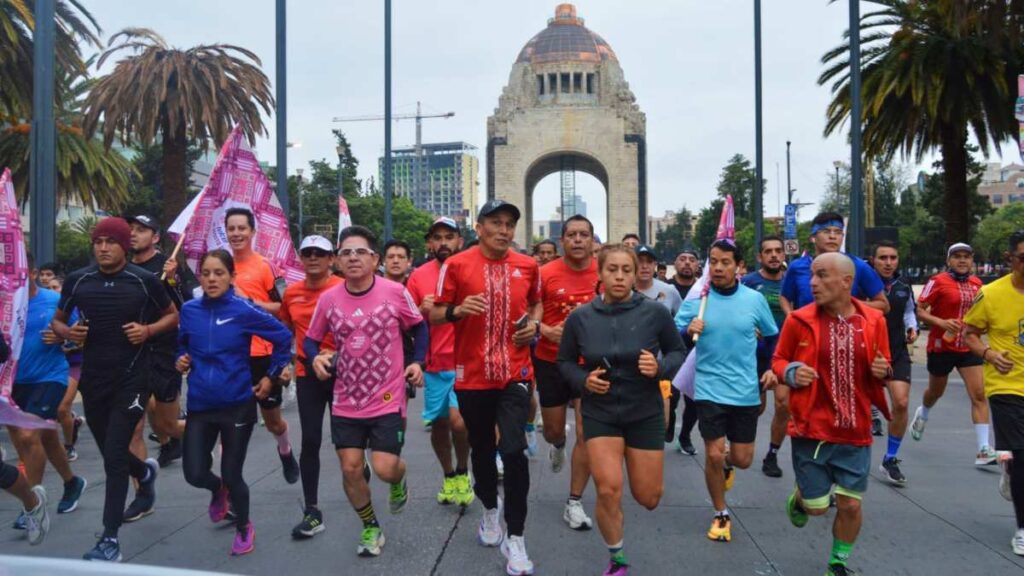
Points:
x=490 y=333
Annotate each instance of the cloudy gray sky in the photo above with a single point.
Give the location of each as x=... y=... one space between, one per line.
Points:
x=689 y=62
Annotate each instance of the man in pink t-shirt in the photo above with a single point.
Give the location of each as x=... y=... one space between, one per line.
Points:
x=440 y=406
x=366 y=316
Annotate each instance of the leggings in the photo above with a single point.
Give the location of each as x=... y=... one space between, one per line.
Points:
x=689 y=416
x=233 y=424
x=1017 y=486
x=482 y=410
x=314 y=398
x=8 y=475
x=112 y=416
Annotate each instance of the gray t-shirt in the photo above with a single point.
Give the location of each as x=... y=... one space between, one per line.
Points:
x=664 y=293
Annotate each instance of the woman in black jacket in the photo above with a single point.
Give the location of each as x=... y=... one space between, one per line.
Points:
x=615 y=350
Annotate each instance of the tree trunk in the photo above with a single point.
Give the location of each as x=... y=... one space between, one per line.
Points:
x=175 y=192
x=954 y=168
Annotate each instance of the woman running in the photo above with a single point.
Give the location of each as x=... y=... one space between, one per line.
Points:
x=213 y=346
x=615 y=350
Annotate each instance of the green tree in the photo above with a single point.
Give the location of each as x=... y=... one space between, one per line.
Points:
x=737 y=179
x=199 y=95
x=994 y=230
x=946 y=70
x=74 y=243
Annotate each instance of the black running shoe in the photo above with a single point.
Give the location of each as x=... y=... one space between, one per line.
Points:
x=311 y=525
x=145 y=496
x=890 y=469
x=840 y=570
x=153 y=437
x=686 y=446
x=76 y=427
x=290 y=467
x=169 y=452
x=770 y=466
x=876 y=427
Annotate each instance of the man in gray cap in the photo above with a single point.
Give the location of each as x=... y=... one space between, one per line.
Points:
x=650 y=286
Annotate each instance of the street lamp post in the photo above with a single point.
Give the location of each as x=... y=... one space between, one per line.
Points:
x=281 y=86
x=758 y=154
x=838 y=164
x=855 y=232
x=42 y=162
x=387 y=120
x=789 y=187
x=342 y=151
x=302 y=228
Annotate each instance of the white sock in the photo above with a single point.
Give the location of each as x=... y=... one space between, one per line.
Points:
x=924 y=412
x=722 y=512
x=981 y=431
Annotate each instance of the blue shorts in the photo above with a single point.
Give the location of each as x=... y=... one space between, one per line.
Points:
x=438 y=395
x=41 y=399
x=820 y=465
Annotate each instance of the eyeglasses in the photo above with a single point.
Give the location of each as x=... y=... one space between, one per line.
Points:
x=346 y=252
x=314 y=253
x=1017 y=257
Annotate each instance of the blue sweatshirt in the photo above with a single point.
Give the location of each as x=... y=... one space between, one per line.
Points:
x=216 y=333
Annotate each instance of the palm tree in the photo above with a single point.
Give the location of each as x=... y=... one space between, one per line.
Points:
x=932 y=71
x=197 y=94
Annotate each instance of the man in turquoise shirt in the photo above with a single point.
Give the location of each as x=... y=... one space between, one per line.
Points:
x=728 y=393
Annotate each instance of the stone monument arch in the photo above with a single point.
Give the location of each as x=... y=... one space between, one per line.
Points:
x=567 y=103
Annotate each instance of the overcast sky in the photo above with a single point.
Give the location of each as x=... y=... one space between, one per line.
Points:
x=690 y=64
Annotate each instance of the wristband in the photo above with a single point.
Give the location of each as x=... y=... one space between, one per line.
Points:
x=449 y=314
x=984 y=352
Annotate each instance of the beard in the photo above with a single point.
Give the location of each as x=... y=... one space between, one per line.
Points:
x=443 y=254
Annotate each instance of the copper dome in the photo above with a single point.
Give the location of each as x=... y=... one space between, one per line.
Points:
x=566 y=39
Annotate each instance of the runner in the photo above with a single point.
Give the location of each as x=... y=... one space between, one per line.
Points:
x=314 y=396
x=256 y=280
x=566 y=284
x=727 y=390
x=597 y=246
x=768 y=281
x=825 y=355
x=121 y=307
x=686 y=265
x=631 y=240
x=943 y=303
x=366 y=317
x=545 y=251
x=397 y=261
x=662 y=272
x=48 y=273
x=998 y=311
x=492 y=295
x=39 y=388
x=164 y=409
x=620 y=371
x=440 y=405
x=650 y=286
x=827 y=231
x=213 y=346
x=902 y=324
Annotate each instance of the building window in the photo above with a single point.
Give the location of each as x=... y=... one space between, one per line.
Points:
x=577 y=82
x=590 y=83
x=540 y=84
x=564 y=84
x=997 y=198
x=552 y=83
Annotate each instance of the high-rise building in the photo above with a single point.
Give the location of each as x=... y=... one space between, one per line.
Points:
x=441 y=179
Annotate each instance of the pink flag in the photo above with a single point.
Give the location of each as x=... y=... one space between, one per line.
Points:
x=13 y=303
x=238 y=181
x=344 y=218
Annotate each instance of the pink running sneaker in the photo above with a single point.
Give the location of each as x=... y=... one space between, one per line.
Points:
x=219 y=505
x=244 y=541
x=616 y=569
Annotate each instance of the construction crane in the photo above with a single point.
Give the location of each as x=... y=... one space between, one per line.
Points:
x=420 y=169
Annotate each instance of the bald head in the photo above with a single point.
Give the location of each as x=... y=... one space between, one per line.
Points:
x=832 y=279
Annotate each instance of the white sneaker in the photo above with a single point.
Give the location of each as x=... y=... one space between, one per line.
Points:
x=1017 y=542
x=500 y=464
x=514 y=549
x=557 y=458
x=531 y=443
x=986 y=457
x=489 y=533
x=1005 y=461
x=38 y=519
x=575 y=516
x=917 y=426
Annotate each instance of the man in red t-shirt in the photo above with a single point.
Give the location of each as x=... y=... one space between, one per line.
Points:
x=492 y=295
x=834 y=354
x=566 y=283
x=440 y=405
x=945 y=300
x=313 y=395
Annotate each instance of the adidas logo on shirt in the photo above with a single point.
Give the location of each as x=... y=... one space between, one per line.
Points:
x=517 y=273
x=358 y=312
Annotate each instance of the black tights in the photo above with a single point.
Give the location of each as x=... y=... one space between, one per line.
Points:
x=689 y=416
x=1017 y=486
x=314 y=398
x=234 y=427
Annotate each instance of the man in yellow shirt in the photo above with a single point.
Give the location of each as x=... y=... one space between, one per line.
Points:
x=998 y=311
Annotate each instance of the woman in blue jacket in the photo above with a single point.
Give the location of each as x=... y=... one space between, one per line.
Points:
x=213 y=347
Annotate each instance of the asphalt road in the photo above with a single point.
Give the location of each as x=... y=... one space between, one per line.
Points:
x=949 y=519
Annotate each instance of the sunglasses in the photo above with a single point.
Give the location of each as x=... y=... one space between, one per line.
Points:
x=314 y=253
x=346 y=252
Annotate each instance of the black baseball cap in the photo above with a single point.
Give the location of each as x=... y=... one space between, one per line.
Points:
x=645 y=250
x=498 y=205
x=145 y=222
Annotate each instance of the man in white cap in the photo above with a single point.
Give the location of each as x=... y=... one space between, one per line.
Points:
x=945 y=300
x=314 y=395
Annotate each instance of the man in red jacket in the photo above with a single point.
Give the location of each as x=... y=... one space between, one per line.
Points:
x=834 y=354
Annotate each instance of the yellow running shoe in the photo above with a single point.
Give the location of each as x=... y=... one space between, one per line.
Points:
x=447 y=494
x=721 y=529
x=463 y=491
x=730 y=477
